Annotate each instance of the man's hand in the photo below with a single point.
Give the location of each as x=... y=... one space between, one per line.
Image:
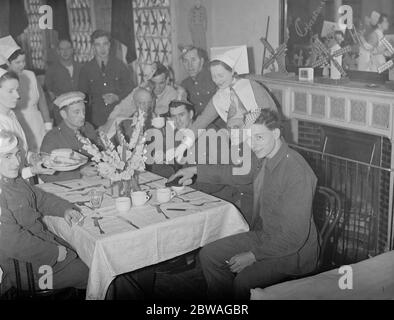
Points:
x=241 y=261
x=110 y=98
x=73 y=216
x=62 y=254
x=37 y=168
x=89 y=170
x=186 y=175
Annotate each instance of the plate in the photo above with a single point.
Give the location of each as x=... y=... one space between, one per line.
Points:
x=60 y=163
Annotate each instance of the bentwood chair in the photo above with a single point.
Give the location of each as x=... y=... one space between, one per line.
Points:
x=19 y=293
x=327 y=212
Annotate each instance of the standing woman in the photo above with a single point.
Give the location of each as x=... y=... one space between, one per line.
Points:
x=9 y=96
x=233 y=94
x=32 y=110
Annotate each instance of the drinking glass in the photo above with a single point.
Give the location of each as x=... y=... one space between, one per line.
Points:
x=96 y=198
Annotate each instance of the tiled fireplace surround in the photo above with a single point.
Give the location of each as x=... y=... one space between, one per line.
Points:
x=316 y=109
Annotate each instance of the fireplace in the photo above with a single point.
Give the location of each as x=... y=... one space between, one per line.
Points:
x=357 y=167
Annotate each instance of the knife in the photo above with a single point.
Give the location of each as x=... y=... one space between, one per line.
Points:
x=84 y=188
x=128 y=221
x=174 y=209
x=61 y=185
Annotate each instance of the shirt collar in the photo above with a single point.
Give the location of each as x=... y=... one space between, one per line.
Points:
x=274 y=161
x=65 y=128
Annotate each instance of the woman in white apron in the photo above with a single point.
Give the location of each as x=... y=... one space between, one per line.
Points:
x=9 y=84
x=242 y=94
x=32 y=110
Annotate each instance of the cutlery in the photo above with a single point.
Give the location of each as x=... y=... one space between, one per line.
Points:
x=128 y=221
x=148 y=182
x=183 y=200
x=97 y=224
x=183 y=194
x=174 y=209
x=161 y=211
x=61 y=185
x=84 y=188
x=204 y=203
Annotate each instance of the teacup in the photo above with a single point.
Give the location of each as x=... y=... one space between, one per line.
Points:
x=123 y=204
x=165 y=195
x=158 y=122
x=177 y=189
x=139 y=198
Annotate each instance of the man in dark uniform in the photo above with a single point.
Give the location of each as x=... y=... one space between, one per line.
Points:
x=22 y=234
x=199 y=84
x=72 y=111
x=105 y=80
x=63 y=75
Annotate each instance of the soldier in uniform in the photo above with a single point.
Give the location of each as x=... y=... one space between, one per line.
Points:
x=22 y=234
x=63 y=75
x=72 y=110
x=199 y=85
x=105 y=80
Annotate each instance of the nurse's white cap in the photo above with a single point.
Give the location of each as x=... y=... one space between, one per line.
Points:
x=8 y=141
x=7 y=47
x=236 y=57
x=2 y=72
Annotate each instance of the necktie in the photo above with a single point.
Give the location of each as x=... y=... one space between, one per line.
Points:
x=102 y=67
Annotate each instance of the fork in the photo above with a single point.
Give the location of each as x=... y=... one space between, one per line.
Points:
x=159 y=210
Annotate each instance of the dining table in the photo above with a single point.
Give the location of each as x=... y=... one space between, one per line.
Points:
x=112 y=243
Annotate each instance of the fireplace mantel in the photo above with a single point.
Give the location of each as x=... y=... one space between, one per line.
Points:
x=352 y=106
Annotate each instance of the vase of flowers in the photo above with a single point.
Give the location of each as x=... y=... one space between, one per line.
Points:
x=122 y=162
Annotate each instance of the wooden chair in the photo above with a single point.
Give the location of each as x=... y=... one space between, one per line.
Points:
x=33 y=293
x=327 y=211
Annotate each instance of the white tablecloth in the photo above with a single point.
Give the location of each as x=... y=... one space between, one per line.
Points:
x=372 y=279
x=123 y=248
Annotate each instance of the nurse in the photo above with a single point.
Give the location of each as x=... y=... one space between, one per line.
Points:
x=32 y=110
x=232 y=91
x=9 y=84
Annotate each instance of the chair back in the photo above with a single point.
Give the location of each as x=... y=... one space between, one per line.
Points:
x=37 y=294
x=327 y=213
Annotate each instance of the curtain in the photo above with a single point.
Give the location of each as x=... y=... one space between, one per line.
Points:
x=17 y=18
x=60 y=18
x=122 y=26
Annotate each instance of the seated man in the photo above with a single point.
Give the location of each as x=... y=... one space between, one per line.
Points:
x=182 y=115
x=283 y=239
x=162 y=95
x=22 y=234
x=72 y=110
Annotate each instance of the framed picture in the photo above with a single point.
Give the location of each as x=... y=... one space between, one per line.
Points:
x=305 y=74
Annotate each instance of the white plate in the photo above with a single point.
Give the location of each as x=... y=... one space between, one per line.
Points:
x=58 y=167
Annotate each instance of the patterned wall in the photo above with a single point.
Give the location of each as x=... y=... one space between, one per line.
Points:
x=35 y=37
x=152 y=25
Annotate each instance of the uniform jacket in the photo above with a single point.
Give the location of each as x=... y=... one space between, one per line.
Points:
x=63 y=137
x=94 y=83
x=23 y=236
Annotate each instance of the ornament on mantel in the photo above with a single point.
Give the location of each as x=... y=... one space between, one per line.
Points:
x=327 y=57
x=198 y=22
x=277 y=55
x=389 y=64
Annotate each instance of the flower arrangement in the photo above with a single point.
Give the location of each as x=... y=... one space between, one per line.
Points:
x=121 y=162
